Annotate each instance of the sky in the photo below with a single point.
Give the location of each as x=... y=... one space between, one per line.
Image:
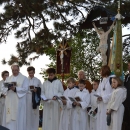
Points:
x=9 y=48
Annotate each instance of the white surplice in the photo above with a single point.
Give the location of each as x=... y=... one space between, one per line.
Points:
x=51 y=108
x=66 y=113
x=32 y=114
x=14 y=116
x=2 y=102
x=115 y=103
x=79 y=115
x=104 y=90
x=94 y=105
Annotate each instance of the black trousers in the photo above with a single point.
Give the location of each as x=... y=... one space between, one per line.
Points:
x=126 y=119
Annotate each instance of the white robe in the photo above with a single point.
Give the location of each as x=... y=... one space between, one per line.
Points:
x=115 y=103
x=20 y=95
x=79 y=115
x=2 y=102
x=66 y=113
x=94 y=105
x=32 y=114
x=105 y=94
x=51 y=109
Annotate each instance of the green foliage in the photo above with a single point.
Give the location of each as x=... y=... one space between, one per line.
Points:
x=41 y=23
x=84 y=55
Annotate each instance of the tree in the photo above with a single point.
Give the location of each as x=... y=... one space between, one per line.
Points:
x=30 y=20
x=84 y=55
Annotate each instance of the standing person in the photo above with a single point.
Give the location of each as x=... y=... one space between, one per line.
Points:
x=66 y=113
x=51 y=111
x=94 y=105
x=126 y=121
x=81 y=75
x=104 y=91
x=4 y=75
x=80 y=116
x=33 y=100
x=14 y=117
x=115 y=107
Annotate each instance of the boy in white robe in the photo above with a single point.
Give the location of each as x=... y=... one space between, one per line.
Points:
x=4 y=75
x=51 y=107
x=66 y=113
x=14 y=117
x=94 y=105
x=115 y=108
x=79 y=115
x=32 y=104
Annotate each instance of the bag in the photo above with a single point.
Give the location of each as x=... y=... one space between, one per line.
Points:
x=108 y=119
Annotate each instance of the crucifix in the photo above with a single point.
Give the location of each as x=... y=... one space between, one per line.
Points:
x=105 y=22
x=63 y=58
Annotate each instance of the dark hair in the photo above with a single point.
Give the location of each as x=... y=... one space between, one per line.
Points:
x=50 y=70
x=81 y=81
x=120 y=82
x=129 y=61
x=71 y=79
x=31 y=68
x=4 y=72
x=96 y=80
x=105 y=71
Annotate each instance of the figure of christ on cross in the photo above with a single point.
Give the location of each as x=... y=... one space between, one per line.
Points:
x=103 y=46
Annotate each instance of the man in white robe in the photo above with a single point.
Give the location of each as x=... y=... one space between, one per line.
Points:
x=4 y=75
x=32 y=105
x=14 y=116
x=51 y=109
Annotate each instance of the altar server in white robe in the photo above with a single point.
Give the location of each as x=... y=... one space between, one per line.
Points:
x=94 y=105
x=66 y=113
x=104 y=91
x=115 y=106
x=32 y=102
x=4 y=75
x=79 y=115
x=14 y=116
x=51 y=111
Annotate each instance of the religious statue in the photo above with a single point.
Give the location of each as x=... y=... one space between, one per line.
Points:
x=103 y=46
x=63 y=58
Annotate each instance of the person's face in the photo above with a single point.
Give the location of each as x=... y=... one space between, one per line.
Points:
x=114 y=83
x=81 y=75
x=129 y=67
x=71 y=85
x=31 y=73
x=81 y=86
x=51 y=76
x=95 y=85
x=5 y=76
x=15 y=70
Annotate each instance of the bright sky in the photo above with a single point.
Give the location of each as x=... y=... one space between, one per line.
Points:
x=9 y=48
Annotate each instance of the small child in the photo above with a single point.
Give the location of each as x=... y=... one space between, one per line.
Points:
x=79 y=115
x=65 y=118
x=115 y=108
x=94 y=105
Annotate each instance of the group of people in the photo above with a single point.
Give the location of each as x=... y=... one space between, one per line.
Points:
x=81 y=106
